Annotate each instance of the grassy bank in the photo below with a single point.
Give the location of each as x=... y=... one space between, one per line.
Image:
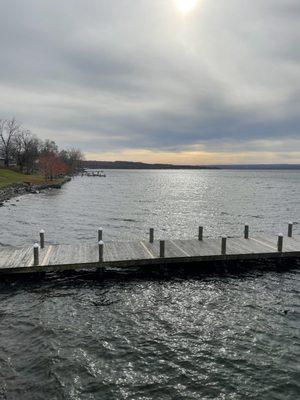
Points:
x=9 y=177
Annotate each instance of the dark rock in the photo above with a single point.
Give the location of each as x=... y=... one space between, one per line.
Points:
x=20 y=189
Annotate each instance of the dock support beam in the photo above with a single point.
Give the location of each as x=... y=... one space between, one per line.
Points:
x=280 y=242
x=290 y=230
x=42 y=238
x=36 y=260
x=224 y=242
x=101 y=245
x=162 y=249
x=100 y=234
x=246 y=231
x=151 y=235
x=200 y=233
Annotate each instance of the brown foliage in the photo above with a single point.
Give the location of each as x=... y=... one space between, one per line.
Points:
x=51 y=166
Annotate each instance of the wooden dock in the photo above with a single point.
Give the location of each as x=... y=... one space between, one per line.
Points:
x=125 y=255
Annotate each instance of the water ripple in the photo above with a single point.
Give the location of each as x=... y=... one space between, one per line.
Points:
x=214 y=337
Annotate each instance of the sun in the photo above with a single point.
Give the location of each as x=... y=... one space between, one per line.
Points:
x=186 y=6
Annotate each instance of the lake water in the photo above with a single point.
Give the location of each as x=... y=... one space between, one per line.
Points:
x=215 y=337
x=127 y=203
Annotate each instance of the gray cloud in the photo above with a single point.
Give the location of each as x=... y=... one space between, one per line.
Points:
x=133 y=74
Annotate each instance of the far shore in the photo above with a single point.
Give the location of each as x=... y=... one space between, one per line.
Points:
x=95 y=164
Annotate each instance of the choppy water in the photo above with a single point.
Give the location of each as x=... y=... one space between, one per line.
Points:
x=215 y=337
x=127 y=203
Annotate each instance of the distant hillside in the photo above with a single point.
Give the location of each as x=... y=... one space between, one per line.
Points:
x=140 y=165
x=262 y=166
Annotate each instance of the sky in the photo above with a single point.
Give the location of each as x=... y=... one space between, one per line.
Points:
x=175 y=81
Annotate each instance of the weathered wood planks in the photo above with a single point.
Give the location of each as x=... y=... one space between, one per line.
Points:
x=139 y=253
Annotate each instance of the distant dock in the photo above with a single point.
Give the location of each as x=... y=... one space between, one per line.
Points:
x=99 y=174
x=152 y=253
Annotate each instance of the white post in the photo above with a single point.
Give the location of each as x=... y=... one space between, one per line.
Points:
x=42 y=238
x=280 y=242
x=200 y=233
x=162 y=249
x=100 y=234
x=101 y=245
x=290 y=230
x=223 y=247
x=246 y=231
x=151 y=235
x=36 y=254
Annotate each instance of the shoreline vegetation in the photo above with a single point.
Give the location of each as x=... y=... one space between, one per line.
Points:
x=23 y=151
x=29 y=164
x=14 y=184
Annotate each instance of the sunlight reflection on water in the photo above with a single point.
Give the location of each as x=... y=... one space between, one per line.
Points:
x=217 y=337
x=127 y=203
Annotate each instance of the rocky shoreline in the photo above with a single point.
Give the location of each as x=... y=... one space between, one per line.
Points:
x=20 y=189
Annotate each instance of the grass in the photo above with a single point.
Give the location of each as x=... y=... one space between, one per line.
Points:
x=9 y=177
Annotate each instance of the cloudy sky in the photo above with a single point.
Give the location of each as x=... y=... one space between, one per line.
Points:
x=185 y=81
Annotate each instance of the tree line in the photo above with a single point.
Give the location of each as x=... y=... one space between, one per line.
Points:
x=20 y=148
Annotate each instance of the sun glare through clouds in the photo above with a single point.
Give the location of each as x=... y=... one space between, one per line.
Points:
x=186 y=6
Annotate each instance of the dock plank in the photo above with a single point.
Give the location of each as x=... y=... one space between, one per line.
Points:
x=22 y=257
x=248 y=246
x=289 y=244
x=174 y=249
x=153 y=248
x=206 y=247
x=5 y=255
x=140 y=253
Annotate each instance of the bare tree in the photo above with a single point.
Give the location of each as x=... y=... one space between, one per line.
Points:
x=76 y=157
x=2 y=127
x=8 y=131
x=49 y=146
x=73 y=158
x=26 y=150
x=31 y=154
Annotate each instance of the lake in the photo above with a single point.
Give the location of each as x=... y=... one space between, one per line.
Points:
x=211 y=337
x=127 y=203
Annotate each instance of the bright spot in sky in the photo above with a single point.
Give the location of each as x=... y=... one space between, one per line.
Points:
x=186 y=6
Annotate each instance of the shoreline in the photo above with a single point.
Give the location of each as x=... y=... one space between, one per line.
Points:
x=20 y=189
